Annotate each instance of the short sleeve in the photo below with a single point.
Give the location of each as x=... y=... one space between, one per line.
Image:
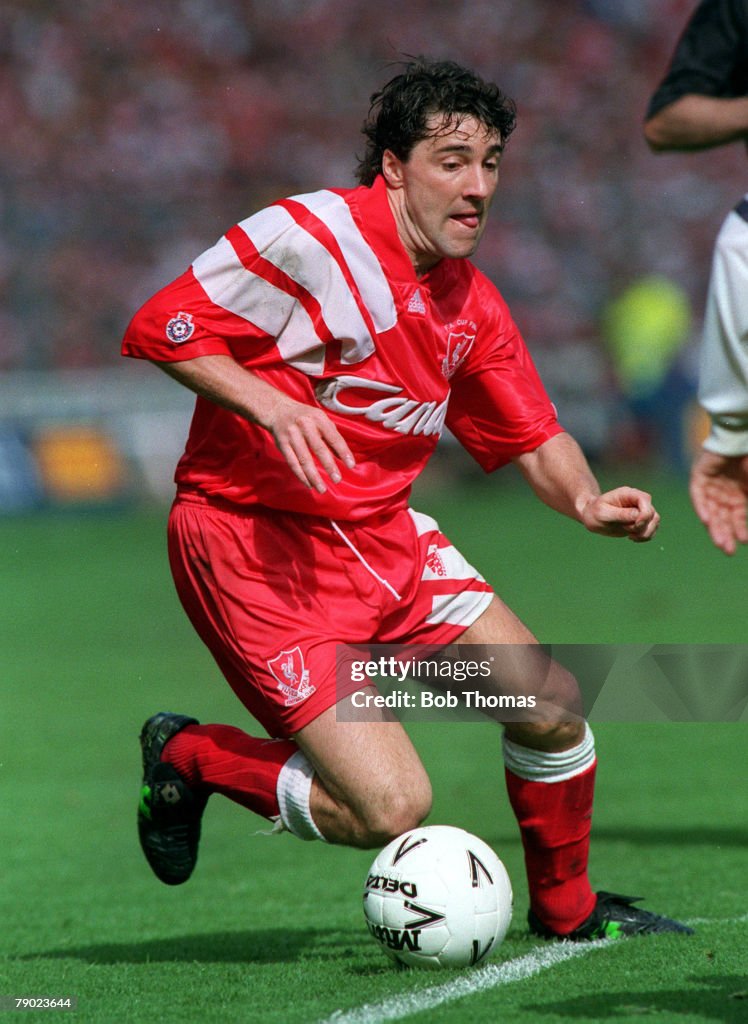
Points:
x=499 y=408
x=711 y=57
x=180 y=322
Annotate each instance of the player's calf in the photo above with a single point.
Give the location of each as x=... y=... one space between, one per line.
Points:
x=376 y=817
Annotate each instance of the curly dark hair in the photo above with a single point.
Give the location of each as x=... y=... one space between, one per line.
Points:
x=399 y=112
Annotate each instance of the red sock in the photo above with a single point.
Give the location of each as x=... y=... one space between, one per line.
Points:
x=222 y=759
x=555 y=819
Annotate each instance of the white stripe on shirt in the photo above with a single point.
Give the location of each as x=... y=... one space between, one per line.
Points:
x=297 y=253
x=231 y=286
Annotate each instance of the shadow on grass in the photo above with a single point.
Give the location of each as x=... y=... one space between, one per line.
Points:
x=276 y=945
x=720 y=998
x=639 y=835
x=677 y=837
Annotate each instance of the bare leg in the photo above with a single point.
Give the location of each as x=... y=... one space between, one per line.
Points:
x=370 y=785
x=556 y=723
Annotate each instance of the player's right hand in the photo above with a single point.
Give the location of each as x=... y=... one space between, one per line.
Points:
x=305 y=435
x=309 y=442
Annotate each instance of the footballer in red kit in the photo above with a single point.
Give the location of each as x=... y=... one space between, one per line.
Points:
x=348 y=326
x=330 y=339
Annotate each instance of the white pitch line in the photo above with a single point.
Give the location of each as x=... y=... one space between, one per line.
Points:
x=493 y=976
x=467 y=985
x=694 y=922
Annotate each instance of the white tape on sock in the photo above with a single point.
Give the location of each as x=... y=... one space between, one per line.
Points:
x=542 y=766
x=293 y=790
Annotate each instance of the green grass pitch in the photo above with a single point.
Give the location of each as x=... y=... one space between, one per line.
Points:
x=270 y=930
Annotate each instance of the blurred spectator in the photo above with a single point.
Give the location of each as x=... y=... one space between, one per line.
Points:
x=132 y=133
x=646 y=329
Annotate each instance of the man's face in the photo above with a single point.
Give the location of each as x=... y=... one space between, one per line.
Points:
x=441 y=194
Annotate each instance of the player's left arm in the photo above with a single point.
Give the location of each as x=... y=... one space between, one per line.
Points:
x=701 y=102
x=561 y=477
x=697 y=122
x=719 y=491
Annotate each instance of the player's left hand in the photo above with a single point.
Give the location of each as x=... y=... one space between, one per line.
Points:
x=622 y=512
x=719 y=493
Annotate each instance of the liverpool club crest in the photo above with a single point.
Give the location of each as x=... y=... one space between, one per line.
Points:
x=458 y=346
x=292 y=676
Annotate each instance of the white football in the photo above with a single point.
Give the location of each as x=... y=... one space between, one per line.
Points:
x=438 y=897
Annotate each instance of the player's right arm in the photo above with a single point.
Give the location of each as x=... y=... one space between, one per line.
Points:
x=306 y=436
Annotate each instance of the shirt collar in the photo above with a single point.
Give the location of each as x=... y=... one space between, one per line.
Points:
x=371 y=208
x=377 y=223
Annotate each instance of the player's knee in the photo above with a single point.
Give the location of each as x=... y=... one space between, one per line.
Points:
x=558 y=721
x=559 y=735
x=557 y=725
x=559 y=699
x=404 y=806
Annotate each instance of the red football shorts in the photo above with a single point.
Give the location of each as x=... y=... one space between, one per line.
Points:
x=273 y=594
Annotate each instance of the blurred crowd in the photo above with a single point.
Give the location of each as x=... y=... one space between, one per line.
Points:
x=134 y=134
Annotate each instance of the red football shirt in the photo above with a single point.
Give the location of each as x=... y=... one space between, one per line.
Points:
x=317 y=295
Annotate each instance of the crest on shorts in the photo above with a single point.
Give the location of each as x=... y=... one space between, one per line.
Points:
x=458 y=346
x=292 y=676
x=180 y=328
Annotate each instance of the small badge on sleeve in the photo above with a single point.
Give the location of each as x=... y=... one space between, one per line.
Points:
x=180 y=328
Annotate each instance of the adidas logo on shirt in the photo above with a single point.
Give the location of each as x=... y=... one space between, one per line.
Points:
x=416 y=304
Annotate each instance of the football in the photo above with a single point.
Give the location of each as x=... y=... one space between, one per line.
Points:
x=438 y=897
